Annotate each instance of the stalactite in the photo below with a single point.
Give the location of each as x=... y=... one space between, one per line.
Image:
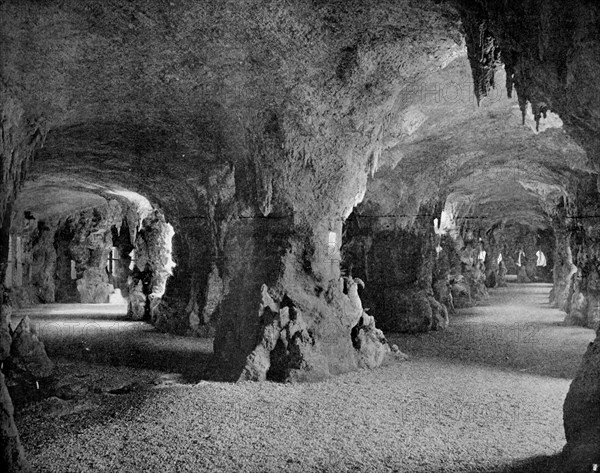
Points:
x=484 y=55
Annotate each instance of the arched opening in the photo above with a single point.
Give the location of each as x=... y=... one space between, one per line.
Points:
x=88 y=249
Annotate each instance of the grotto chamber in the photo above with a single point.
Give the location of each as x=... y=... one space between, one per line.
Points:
x=81 y=243
x=383 y=212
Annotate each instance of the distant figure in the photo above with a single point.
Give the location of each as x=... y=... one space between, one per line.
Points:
x=481 y=256
x=540 y=264
x=541 y=258
x=521 y=258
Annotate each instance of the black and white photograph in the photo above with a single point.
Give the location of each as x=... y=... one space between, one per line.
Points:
x=300 y=236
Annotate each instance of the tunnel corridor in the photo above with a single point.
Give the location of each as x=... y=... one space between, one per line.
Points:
x=234 y=220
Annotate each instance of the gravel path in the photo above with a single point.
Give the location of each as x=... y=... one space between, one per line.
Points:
x=458 y=405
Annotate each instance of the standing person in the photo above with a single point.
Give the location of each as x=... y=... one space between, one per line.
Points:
x=540 y=263
x=522 y=275
x=481 y=256
x=521 y=258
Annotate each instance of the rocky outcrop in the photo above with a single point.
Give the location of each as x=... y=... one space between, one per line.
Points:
x=584 y=302
x=12 y=454
x=21 y=134
x=309 y=322
x=27 y=353
x=468 y=285
x=90 y=248
x=564 y=270
x=39 y=261
x=576 y=290
x=152 y=268
x=12 y=457
x=577 y=269
x=24 y=361
x=93 y=287
x=582 y=414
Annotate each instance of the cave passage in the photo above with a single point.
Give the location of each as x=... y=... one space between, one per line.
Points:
x=401 y=193
x=464 y=402
x=516 y=330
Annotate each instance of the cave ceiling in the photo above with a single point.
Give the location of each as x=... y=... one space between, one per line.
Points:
x=158 y=96
x=481 y=157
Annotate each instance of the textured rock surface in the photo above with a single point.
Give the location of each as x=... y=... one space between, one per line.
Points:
x=582 y=413
x=257 y=127
x=12 y=456
x=255 y=146
x=407 y=280
x=27 y=352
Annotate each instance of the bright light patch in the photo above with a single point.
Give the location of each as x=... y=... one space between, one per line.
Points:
x=143 y=205
x=332 y=240
x=357 y=200
x=552 y=120
x=116 y=297
x=412 y=120
x=169 y=242
x=160 y=289
x=132 y=256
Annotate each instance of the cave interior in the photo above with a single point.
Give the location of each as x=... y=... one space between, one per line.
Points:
x=293 y=181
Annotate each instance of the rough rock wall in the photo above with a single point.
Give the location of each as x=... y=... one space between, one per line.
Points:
x=65 y=285
x=24 y=362
x=194 y=293
x=577 y=269
x=582 y=414
x=90 y=248
x=181 y=307
x=400 y=270
x=18 y=140
x=447 y=271
x=577 y=291
x=12 y=456
x=121 y=240
x=584 y=303
x=33 y=262
x=42 y=263
x=153 y=258
x=564 y=269
x=468 y=286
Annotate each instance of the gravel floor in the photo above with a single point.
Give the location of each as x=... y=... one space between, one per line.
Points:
x=486 y=395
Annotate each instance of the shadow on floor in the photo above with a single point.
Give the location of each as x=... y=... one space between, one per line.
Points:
x=141 y=349
x=542 y=464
